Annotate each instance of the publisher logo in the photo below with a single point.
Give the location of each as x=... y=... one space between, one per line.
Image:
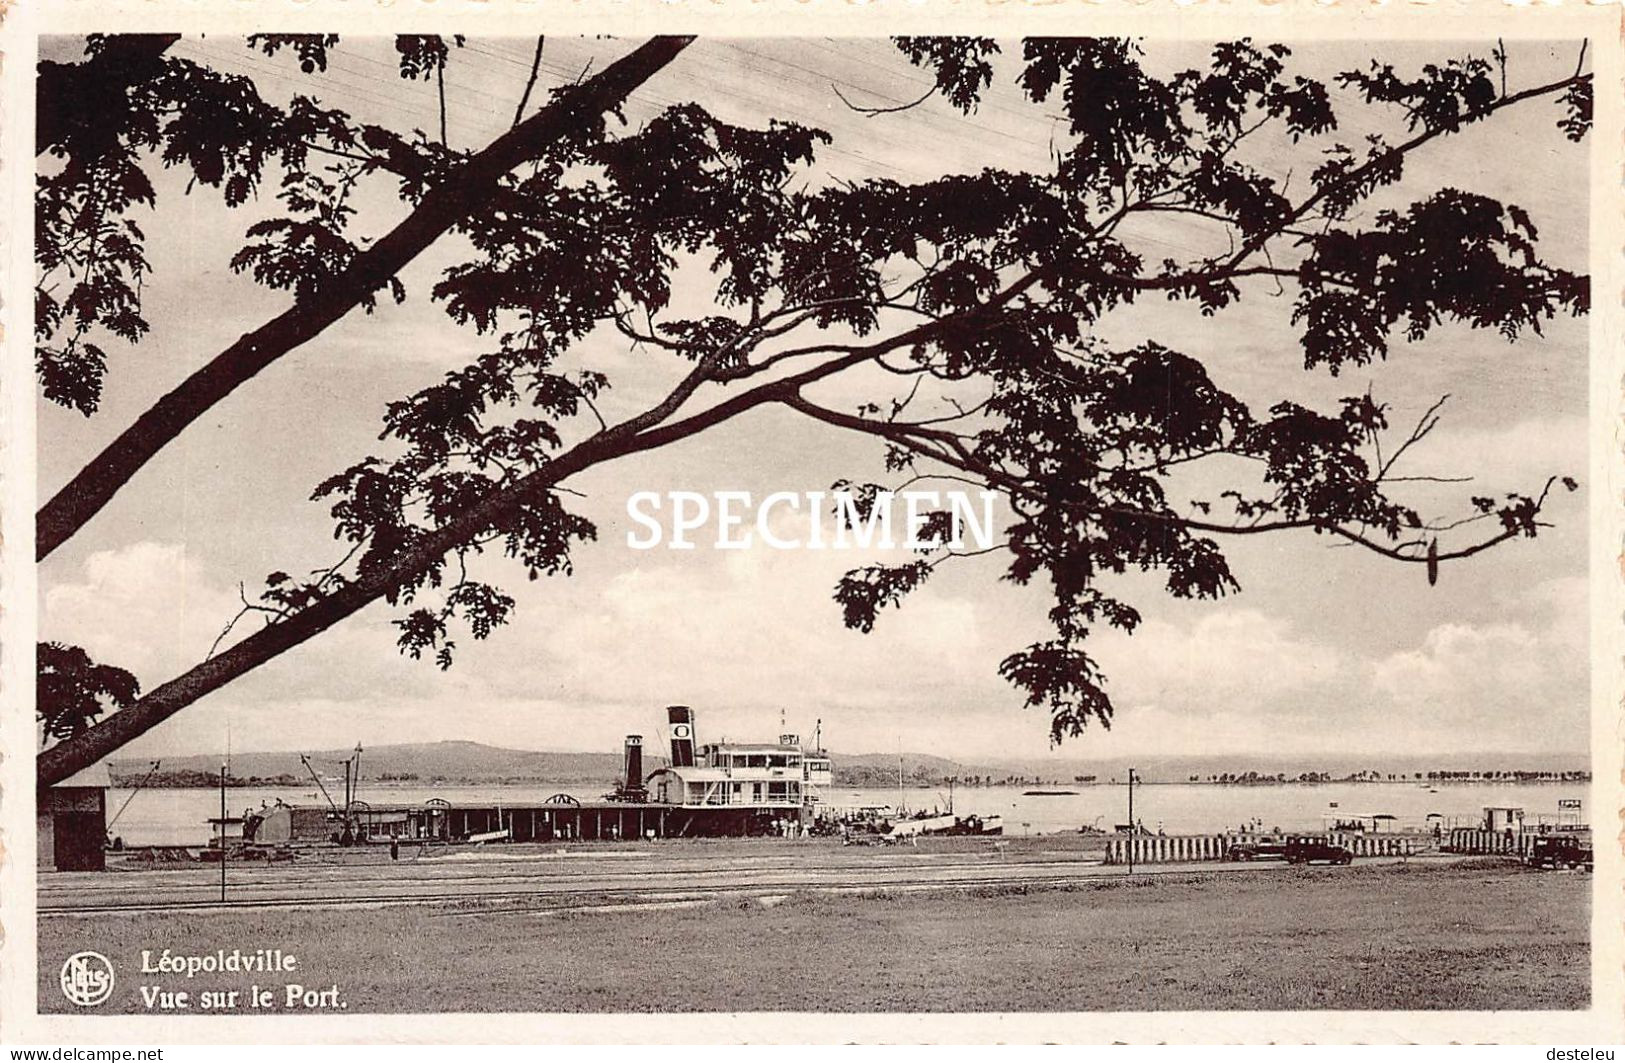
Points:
x=87 y=979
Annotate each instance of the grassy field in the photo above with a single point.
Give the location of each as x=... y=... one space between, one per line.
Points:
x=1364 y=938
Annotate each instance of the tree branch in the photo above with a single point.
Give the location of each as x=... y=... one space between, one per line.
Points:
x=961 y=459
x=1232 y=265
x=1359 y=172
x=643 y=432
x=440 y=87
x=871 y=112
x=441 y=208
x=535 y=69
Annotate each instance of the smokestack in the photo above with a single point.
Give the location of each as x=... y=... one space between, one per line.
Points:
x=634 y=762
x=681 y=718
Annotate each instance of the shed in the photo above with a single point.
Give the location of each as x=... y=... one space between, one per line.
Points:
x=70 y=822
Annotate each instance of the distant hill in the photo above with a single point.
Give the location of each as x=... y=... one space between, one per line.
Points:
x=414 y=762
x=878 y=771
x=477 y=763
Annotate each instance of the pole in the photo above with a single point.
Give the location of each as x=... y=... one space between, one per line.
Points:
x=1131 y=831
x=349 y=799
x=138 y=787
x=318 y=780
x=222 y=831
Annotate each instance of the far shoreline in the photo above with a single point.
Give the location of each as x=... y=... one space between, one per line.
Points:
x=124 y=782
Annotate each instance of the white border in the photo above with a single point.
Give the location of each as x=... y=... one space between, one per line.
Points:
x=1604 y=1023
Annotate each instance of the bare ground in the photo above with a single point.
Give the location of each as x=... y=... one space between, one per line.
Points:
x=1378 y=937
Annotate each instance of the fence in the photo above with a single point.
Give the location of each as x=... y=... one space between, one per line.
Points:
x=1182 y=848
x=1377 y=844
x=1485 y=842
x=1160 y=849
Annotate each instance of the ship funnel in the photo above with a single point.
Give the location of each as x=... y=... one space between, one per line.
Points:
x=681 y=718
x=634 y=762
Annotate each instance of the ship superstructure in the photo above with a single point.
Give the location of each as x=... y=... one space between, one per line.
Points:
x=784 y=776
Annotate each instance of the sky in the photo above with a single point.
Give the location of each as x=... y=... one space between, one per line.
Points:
x=1324 y=650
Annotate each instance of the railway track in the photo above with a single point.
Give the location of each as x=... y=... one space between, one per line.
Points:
x=584 y=895
x=429 y=876
x=520 y=868
x=561 y=890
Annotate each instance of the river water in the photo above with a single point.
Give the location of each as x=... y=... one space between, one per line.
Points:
x=179 y=817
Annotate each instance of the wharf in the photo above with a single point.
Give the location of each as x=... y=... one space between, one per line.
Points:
x=564 y=875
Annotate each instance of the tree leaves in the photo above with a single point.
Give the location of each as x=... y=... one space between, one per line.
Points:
x=92 y=263
x=421 y=57
x=220 y=130
x=960 y=63
x=72 y=376
x=309 y=249
x=73 y=690
x=1576 y=120
x=864 y=592
x=310 y=48
x=213 y=124
x=1443 y=99
x=1061 y=678
x=696 y=181
x=1161 y=404
x=1453 y=256
x=1115 y=110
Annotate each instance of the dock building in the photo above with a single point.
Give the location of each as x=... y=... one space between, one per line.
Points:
x=713 y=790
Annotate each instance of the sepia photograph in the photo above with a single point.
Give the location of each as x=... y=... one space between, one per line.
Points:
x=575 y=523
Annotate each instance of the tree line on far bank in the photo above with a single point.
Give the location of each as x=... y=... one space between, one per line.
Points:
x=869 y=777
x=1253 y=778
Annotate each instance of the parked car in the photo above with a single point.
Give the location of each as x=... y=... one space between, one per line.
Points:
x=1309 y=850
x=1259 y=850
x=1561 y=852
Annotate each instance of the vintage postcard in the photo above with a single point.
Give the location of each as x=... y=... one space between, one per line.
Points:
x=812 y=523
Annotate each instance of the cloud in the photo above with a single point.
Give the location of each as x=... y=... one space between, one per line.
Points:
x=1521 y=683
x=147 y=607
x=1515 y=456
x=760 y=624
x=1226 y=659
x=746 y=635
x=1457 y=660
x=156 y=610
x=1233 y=680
